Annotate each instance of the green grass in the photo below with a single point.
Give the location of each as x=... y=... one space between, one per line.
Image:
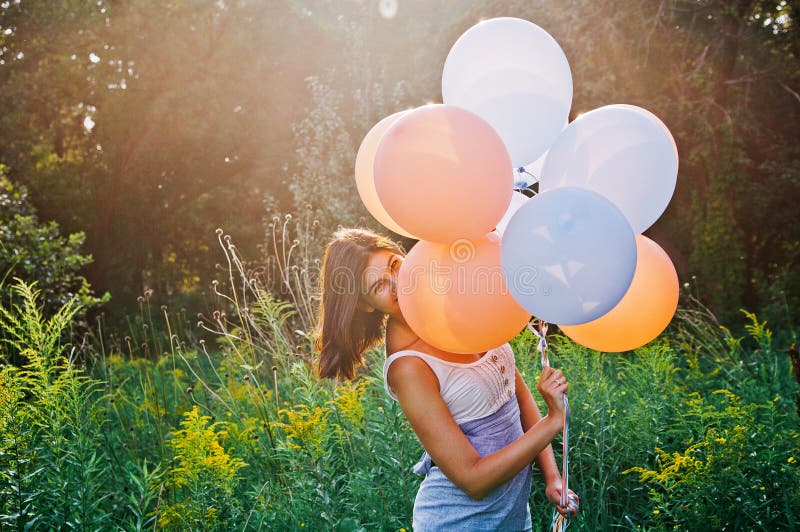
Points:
x=696 y=430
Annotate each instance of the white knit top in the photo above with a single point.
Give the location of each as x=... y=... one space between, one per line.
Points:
x=470 y=391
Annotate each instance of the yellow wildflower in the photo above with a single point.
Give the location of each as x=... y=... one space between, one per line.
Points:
x=308 y=427
x=348 y=401
x=199 y=454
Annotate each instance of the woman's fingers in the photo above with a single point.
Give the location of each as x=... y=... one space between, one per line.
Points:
x=552 y=385
x=572 y=507
x=550 y=375
x=557 y=380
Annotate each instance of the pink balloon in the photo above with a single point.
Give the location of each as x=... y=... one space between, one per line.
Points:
x=365 y=181
x=442 y=173
x=454 y=296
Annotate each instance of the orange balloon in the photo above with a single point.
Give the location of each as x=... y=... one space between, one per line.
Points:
x=643 y=312
x=454 y=296
x=365 y=180
x=443 y=173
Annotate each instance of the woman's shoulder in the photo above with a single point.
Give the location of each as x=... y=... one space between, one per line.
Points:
x=409 y=366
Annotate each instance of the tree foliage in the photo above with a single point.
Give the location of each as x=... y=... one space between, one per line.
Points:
x=723 y=77
x=149 y=124
x=36 y=252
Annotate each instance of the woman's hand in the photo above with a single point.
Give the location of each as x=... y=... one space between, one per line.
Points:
x=553 y=493
x=553 y=386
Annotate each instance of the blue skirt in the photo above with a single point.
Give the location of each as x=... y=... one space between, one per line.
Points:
x=441 y=505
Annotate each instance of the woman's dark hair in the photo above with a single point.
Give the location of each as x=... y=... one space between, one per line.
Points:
x=344 y=332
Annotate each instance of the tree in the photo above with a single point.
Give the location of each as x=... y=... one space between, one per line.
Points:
x=149 y=124
x=158 y=123
x=36 y=252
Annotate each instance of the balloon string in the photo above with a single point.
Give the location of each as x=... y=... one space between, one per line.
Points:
x=542 y=346
x=560 y=522
x=522 y=170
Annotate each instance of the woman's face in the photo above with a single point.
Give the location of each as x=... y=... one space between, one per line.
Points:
x=379 y=283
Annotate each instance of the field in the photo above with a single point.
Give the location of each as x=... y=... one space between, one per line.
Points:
x=168 y=430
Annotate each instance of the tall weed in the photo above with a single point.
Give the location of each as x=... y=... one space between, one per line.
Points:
x=229 y=426
x=50 y=454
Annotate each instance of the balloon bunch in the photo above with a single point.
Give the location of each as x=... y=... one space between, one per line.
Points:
x=489 y=256
x=608 y=177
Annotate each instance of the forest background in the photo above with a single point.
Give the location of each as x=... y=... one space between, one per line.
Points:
x=147 y=125
x=157 y=153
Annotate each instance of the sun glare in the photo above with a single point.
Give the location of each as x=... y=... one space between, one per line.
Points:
x=388 y=8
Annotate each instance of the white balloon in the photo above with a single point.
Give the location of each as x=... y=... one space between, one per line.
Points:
x=517 y=199
x=533 y=171
x=623 y=152
x=523 y=108
x=654 y=118
x=568 y=255
x=536 y=166
x=514 y=75
x=504 y=44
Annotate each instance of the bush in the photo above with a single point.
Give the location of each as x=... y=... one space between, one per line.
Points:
x=36 y=252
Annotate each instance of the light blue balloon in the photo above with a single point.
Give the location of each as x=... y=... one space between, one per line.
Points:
x=568 y=255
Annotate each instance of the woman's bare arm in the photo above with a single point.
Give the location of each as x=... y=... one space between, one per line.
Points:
x=417 y=388
x=529 y=415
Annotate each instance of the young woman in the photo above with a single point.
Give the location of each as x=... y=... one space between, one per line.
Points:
x=473 y=414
